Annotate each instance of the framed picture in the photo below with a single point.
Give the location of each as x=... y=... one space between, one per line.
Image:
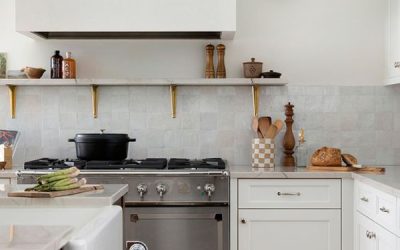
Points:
x=3 y=65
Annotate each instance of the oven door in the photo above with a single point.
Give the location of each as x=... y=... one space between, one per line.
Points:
x=177 y=228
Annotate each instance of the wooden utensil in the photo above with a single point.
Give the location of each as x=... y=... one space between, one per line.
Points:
x=34 y=194
x=279 y=125
x=264 y=123
x=254 y=124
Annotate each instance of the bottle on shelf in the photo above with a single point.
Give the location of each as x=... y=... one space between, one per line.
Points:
x=68 y=67
x=56 y=65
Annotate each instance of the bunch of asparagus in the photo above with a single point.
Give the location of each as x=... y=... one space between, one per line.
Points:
x=58 y=181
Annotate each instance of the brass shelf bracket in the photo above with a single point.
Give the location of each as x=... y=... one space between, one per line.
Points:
x=256 y=99
x=172 y=90
x=94 y=100
x=13 y=100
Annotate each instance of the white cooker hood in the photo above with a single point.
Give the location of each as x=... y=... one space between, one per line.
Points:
x=126 y=19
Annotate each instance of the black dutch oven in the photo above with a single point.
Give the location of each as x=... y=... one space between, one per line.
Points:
x=102 y=147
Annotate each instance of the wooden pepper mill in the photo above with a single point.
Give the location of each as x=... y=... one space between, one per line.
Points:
x=221 y=71
x=210 y=72
x=288 y=140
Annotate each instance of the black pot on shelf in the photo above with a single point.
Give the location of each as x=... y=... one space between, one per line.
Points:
x=102 y=147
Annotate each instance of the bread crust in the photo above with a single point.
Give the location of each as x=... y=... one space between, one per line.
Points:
x=349 y=159
x=326 y=156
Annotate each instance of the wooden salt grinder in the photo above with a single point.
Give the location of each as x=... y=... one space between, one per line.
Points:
x=288 y=140
x=210 y=72
x=221 y=71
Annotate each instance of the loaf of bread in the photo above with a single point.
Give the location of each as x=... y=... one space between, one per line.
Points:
x=349 y=159
x=327 y=157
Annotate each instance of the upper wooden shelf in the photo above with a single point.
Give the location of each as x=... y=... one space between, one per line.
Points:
x=146 y=82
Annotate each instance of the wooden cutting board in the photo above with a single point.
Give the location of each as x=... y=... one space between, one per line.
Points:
x=35 y=194
x=364 y=169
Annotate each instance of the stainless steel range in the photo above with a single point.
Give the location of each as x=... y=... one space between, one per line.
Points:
x=171 y=205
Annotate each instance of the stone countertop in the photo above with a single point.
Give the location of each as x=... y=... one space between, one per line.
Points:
x=389 y=181
x=284 y=173
x=8 y=173
x=21 y=237
x=107 y=197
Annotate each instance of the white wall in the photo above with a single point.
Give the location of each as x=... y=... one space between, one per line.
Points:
x=333 y=42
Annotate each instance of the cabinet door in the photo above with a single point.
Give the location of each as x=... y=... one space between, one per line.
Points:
x=5 y=181
x=288 y=229
x=371 y=236
x=393 y=42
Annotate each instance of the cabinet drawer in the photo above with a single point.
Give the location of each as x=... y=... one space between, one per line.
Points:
x=289 y=193
x=365 y=199
x=386 y=210
x=369 y=235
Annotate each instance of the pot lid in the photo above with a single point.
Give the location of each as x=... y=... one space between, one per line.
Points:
x=102 y=137
x=253 y=61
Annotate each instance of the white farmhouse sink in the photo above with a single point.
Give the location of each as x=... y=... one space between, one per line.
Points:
x=93 y=228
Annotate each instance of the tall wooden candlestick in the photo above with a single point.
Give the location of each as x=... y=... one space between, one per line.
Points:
x=221 y=71
x=210 y=72
x=288 y=140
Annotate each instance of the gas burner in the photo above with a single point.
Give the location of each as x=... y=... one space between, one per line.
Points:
x=48 y=163
x=144 y=164
x=148 y=163
x=208 y=163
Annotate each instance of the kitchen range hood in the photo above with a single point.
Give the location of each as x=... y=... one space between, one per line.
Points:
x=126 y=19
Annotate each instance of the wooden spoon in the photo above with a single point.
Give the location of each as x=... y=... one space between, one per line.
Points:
x=274 y=129
x=279 y=125
x=263 y=125
x=254 y=124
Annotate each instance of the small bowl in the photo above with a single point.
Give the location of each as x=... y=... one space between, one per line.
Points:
x=3 y=164
x=34 y=73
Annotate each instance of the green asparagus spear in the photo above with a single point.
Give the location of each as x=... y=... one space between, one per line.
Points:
x=68 y=187
x=59 y=172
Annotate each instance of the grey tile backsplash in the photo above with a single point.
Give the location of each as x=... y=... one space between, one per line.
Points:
x=211 y=121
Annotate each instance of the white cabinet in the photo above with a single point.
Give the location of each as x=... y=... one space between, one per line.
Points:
x=371 y=236
x=286 y=214
x=292 y=193
x=5 y=181
x=393 y=43
x=288 y=229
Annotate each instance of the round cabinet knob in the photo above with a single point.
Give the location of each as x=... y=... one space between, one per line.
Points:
x=161 y=189
x=142 y=189
x=209 y=189
x=243 y=221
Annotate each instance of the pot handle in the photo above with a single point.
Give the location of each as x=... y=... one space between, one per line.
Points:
x=71 y=140
x=132 y=139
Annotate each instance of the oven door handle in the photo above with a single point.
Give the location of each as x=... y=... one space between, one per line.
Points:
x=135 y=217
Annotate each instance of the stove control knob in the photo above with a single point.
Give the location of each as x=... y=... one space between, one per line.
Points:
x=161 y=189
x=142 y=189
x=209 y=189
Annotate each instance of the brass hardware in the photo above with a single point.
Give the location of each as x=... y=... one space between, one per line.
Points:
x=243 y=221
x=172 y=89
x=364 y=199
x=397 y=65
x=256 y=98
x=288 y=194
x=94 y=101
x=13 y=100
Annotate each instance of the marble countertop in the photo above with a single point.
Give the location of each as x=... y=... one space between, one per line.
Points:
x=389 y=181
x=284 y=173
x=8 y=173
x=106 y=197
x=33 y=237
